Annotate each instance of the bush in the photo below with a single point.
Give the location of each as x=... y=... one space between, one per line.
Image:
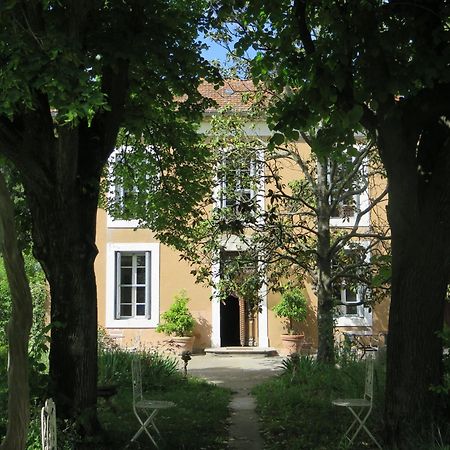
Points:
x=177 y=320
x=114 y=367
x=293 y=307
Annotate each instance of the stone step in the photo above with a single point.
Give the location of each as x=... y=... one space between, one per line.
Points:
x=242 y=351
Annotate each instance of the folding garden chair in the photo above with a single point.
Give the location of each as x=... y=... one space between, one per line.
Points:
x=145 y=410
x=360 y=408
x=48 y=425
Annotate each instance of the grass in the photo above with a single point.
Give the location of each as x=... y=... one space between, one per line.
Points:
x=199 y=420
x=297 y=414
x=296 y=409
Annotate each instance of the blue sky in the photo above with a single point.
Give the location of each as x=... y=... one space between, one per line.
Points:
x=215 y=51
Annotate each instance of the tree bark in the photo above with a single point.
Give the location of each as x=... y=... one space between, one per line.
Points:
x=325 y=305
x=64 y=224
x=18 y=328
x=419 y=215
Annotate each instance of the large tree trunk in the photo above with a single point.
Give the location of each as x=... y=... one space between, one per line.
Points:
x=18 y=328
x=419 y=215
x=64 y=236
x=325 y=305
x=63 y=204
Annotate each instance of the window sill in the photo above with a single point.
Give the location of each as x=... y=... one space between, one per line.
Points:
x=353 y=322
x=131 y=323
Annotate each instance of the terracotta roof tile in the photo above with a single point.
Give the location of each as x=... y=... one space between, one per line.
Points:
x=230 y=94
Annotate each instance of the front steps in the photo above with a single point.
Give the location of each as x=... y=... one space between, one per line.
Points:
x=242 y=351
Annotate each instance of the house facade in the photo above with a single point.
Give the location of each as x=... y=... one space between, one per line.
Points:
x=138 y=276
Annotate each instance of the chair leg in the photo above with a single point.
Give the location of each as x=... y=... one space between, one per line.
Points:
x=361 y=426
x=355 y=422
x=372 y=437
x=144 y=426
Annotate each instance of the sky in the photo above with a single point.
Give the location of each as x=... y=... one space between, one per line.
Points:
x=214 y=52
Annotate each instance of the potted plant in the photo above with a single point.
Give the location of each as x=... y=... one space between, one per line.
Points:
x=179 y=323
x=293 y=308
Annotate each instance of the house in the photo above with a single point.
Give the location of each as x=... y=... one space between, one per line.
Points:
x=137 y=276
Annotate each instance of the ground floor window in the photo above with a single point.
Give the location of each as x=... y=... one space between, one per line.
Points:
x=133 y=291
x=132 y=285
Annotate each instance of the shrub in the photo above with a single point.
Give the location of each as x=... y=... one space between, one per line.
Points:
x=293 y=307
x=177 y=320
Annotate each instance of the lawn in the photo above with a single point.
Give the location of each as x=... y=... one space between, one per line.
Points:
x=199 y=420
x=296 y=411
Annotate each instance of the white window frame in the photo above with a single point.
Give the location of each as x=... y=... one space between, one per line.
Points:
x=257 y=194
x=118 y=223
x=362 y=203
x=153 y=250
x=363 y=317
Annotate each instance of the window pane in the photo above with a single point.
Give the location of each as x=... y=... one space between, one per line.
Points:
x=141 y=275
x=350 y=296
x=125 y=310
x=126 y=275
x=351 y=310
x=126 y=260
x=140 y=310
x=125 y=294
x=140 y=260
x=140 y=295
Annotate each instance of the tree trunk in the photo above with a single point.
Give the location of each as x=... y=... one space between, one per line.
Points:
x=18 y=328
x=64 y=223
x=325 y=305
x=419 y=215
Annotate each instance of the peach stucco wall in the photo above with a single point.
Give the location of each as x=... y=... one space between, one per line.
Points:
x=174 y=276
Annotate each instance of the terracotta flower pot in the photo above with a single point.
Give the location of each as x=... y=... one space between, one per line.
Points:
x=182 y=343
x=292 y=343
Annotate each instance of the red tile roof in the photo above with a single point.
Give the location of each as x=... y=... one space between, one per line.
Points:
x=230 y=94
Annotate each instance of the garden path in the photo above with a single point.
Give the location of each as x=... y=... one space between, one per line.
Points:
x=240 y=374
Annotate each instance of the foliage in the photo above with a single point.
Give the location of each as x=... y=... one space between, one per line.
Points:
x=114 y=366
x=39 y=340
x=293 y=306
x=338 y=68
x=185 y=426
x=73 y=75
x=296 y=234
x=303 y=394
x=177 y=320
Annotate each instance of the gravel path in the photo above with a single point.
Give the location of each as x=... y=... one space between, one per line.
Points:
x=240 y=374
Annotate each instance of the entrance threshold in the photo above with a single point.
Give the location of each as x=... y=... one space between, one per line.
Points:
x=242 y=351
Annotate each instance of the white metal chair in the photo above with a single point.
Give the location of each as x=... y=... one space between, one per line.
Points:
x=48 y=425
x=360 y=408
x=145 y=410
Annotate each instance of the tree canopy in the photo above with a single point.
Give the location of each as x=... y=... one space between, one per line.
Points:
x=381 y=66
x=75 y=73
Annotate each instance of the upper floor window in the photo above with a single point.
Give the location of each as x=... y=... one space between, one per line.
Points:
x=240 y=182
x=348 y=187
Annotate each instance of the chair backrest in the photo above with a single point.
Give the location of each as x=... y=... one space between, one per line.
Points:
x=136 y=375
x=368 y=391
x=48 y=425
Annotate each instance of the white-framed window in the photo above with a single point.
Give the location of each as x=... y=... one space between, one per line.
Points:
x=352 y=196
x=118 y=193
x=240 y=183
x=238 y=190
x=132 y=297
x=352 y=311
